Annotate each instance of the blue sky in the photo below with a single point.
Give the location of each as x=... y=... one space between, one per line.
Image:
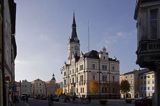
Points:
x=44 y=26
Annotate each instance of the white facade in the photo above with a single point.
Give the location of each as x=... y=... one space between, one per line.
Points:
x=81 y=68
x=147 y=83
x=26 y=87
x=38 y=88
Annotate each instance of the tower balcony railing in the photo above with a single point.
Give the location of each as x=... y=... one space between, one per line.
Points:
x=149 y=46
x=148 y=53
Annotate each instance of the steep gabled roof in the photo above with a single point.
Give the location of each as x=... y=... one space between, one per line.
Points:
x=74 y=37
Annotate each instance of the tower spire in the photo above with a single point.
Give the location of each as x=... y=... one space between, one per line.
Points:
x=74 y=37
x=74 y=21
x=74 y=43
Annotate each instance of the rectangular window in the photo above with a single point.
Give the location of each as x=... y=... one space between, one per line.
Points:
x=94 y=77
x=72 y=80
x=104 y=67
x=93 y=66
x=77 y=79
x=153 y=23
x=64 y=82
x=81 y=78
x=113 y=78
x=72 y=71
x=64 y=73
x=77 y=90
x=113 y=68
x=81 y=67
x=104 y=78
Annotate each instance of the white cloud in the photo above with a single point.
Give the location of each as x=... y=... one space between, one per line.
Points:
x=111 y=38
x=120 y=34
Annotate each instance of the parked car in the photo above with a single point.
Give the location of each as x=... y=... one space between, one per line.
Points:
x=147 y=101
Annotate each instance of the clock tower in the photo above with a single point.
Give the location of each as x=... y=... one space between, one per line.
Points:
x=74 y=43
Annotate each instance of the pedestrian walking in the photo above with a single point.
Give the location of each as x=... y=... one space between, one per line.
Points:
x=50 y=102
x=26 y=98
x=89 y=99
x=10 y=99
